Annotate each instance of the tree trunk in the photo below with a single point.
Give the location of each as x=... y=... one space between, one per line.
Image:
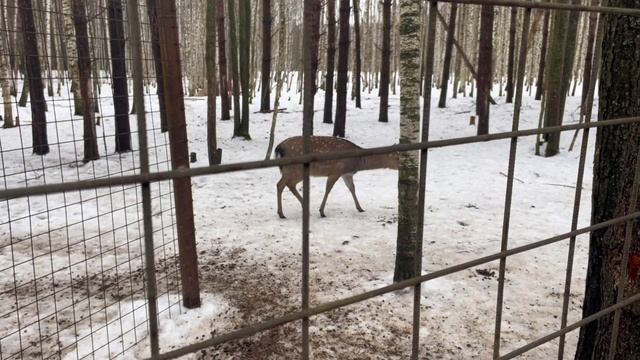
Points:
x=34 y=74
x=446 y=66
x=385 y=68
x=222 y=63
x=588 y=60
x=157 y=63
x=215 y=156
x=265 y=104
x=233 y=50
x=72 y=55
x=357 y=75
x=244 y=16
x=84 y=76
x=555 y=94
x=282 y=50
x=485 y=77
x=331 y=61
x=311 y=30
x=343 y=69
x=410 y=45
x=119 y=76
x=5 y=80
x=543 y=55
x=512 y=54
x=615 y=168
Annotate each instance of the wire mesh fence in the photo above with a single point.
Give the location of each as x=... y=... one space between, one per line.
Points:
x=72 y=263
x=73 y=248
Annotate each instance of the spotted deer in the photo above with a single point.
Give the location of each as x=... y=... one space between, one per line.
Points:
x=331 y=169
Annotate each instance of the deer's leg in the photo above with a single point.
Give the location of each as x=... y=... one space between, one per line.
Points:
x=295 y=192
x=348 y=180
x=331 y=180
x=280 y=186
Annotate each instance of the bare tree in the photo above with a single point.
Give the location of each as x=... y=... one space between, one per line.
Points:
x=485 y=62
x=331 y=61
x=385 y=75
x=34 y=75
x=84 y=76
x=343 y=69
x=119 y=76
x=265 y=103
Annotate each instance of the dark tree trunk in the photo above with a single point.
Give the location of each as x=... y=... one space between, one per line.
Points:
x=222 y=64
x=485 y=77
x=616 y=158
x=331 y=61
x=343 y=68
x=543 y=55
x=512 y=54
x=119 y=76
x=244 y=17
x=213 y=153
x=265 y=104
x=357 y=79
x=588 y=59
x=34 y=74
x=311 y=30
x=84 y=72
x=385 y=69
x=157 y=63
x=446 y=67
x=233 y=49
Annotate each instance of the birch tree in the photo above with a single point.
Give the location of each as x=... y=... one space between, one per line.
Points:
x=410 y=46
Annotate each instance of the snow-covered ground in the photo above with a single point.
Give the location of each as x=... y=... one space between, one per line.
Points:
x=250 y=259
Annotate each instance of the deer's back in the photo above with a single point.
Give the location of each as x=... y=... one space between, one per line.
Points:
x=319 y=144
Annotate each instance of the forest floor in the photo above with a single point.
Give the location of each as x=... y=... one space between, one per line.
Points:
x=250 y=260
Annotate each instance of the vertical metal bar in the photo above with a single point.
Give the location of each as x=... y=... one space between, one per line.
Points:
x=426 y=117
x=510 y=176
x=147 y=216
x=306 y=131
x=588 y=111
x=174 y=96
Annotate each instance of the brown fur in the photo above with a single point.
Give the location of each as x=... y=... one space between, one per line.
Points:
x=332 y=169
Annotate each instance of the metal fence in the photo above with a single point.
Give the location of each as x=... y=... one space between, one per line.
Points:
x=63 y=188
x=71 y=276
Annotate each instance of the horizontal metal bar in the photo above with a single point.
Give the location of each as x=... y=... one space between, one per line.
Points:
x=294 y=316
x=550 y=6
x=585 y=321
x=297 y=160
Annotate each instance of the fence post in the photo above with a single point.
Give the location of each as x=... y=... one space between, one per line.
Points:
x=174 y=99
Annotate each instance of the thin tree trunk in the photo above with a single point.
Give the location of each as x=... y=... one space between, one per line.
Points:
x=157 y=63
x=222 y=64
x=357 y=75
x=543 y=55
x=84 y=76
x=282 y=48
x=311 y=39
x=343 y=69
x=555 y=91
x=119 y=76
x=446 y=66
x=593 y=18
x=244 y=16
x=512 y=54
x=233 y=50
x=385 y=70
x=5 y=80
x=34 y=73
x=265 y=104
x=331 y=61
x=213 y=153
x=485 y=77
